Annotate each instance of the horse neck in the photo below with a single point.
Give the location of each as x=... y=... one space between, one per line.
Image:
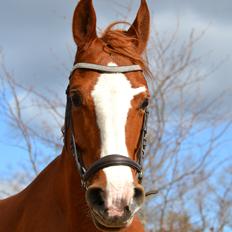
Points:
x=69 y=182
x=64 y=188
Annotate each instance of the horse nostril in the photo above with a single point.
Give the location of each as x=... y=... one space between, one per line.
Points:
x=139 y=195
x=127 y=210
x=94 y=196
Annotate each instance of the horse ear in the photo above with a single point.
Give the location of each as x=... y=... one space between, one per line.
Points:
x=84 y=23
x=141 y=27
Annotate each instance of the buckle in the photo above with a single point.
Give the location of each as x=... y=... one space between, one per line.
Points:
x=83 y=184
x=140 y=176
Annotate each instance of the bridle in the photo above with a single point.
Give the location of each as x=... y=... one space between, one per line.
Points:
x=111 y=159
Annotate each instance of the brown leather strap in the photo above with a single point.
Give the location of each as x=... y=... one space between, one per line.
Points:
x=109 y=161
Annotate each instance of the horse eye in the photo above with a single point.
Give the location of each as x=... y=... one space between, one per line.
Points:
x=144 y=104
x=76 y=99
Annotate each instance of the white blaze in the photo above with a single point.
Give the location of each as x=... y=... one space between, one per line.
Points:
x=112 y=97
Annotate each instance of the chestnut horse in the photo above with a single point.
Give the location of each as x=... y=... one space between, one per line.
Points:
x=95 y=184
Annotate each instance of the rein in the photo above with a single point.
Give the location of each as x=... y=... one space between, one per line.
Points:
x=111 y=159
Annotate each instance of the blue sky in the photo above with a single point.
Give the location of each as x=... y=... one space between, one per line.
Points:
x=36 y=41
x=10 y=156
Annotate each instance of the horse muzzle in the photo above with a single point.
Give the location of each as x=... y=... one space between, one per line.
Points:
x=117 y=215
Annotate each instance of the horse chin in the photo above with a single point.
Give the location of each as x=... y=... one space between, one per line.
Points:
x=108 y=228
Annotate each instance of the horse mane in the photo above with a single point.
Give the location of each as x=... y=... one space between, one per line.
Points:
x=120 y=43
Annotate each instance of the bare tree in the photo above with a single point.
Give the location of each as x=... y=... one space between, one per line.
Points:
x=186 y=133
x=32 y=116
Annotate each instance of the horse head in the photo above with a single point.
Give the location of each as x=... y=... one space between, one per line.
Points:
x=105 y=117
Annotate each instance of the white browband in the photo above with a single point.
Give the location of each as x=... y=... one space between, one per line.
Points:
x=107 y=69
